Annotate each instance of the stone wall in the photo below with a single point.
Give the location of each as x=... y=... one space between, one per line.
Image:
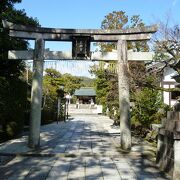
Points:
x=168 y=147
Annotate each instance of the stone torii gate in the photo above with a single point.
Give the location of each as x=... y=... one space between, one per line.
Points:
x=80 y=39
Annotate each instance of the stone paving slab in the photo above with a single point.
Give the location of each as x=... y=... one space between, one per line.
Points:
x=60 y=169
x=93 y=169
x=109 y=169
x=83 y=148
x=77 y=169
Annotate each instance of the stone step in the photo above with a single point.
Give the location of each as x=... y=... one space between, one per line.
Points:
x=82 y=111
x=81 y=106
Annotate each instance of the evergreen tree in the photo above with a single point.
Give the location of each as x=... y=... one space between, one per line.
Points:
x=13 y=95
x=107 y=81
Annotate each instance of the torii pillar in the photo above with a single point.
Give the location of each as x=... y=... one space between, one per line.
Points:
x=124 y=102
x=36 y=94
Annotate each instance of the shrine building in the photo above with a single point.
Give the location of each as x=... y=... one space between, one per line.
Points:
x=85 y=95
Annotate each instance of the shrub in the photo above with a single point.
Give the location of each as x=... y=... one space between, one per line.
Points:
x=11 y=129
x=12 y=105
x=146 y=110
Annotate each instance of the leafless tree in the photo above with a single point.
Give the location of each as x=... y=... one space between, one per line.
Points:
x=167 y=45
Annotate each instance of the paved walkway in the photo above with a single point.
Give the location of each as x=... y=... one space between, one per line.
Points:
x=86 y=147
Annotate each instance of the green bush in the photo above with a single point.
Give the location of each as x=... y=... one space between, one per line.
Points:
x=47 y=116
x=12 y=129
x=12 y=105
x=146 y=110
x=3 y=136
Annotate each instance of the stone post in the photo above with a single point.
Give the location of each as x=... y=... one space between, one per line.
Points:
x=159 y=149
x=176 y=173
x=58 y=108
x=124 y=103
x=36 y=94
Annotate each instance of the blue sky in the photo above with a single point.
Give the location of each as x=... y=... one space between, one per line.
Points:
x=90 y=13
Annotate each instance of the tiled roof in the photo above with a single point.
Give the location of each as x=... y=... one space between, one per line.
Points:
x=85 y=91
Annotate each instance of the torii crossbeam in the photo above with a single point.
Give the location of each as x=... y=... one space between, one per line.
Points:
x=41 y=34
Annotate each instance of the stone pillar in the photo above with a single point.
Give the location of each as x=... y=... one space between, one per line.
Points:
x=124 y=102
x=36 y=94
x=176 y=172
x=160 y=149
x=58 y=109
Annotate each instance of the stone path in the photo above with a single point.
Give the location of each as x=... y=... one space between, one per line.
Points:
x=83 y=148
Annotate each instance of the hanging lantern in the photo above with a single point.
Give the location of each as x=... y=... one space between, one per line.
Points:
x=81 y=47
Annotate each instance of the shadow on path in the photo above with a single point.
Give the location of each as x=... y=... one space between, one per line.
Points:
x=84 y=148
